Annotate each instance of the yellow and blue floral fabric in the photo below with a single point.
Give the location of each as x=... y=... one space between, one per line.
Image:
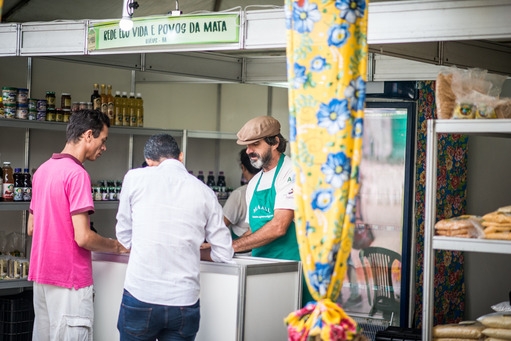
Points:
x=327 y=64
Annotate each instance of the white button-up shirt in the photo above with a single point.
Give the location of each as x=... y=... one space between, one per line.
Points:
x=164 y=216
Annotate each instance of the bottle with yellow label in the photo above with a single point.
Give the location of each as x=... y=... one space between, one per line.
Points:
x=125 y=109
x=140 y=110
x=110 y=103
x=95 y=98
x=104 y=100
x=118 y=109
x=132 y=109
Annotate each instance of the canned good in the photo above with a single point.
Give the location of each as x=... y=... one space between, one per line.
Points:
x=41 y=116
x=41 y=105
x=22 y=96
x=9 y=95
x=9 y=111
x=32 y=104
x=22 y=111
x=82 y=106
x=89 y=105
x=66 y=114
x=65 y=100
x=32 y=115
x=50 y=99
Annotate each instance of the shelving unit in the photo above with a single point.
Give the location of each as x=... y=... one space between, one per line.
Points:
x=494 y=128
x=98 y=205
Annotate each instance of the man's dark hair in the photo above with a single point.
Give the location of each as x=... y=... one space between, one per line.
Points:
x=277 y=139
x=245 y=161
x=161 y=146
x=83 y=120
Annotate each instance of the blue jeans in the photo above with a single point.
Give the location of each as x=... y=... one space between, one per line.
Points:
x=144 y=321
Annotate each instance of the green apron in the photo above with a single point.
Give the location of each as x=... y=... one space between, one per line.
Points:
x=285 y=247
x=260 y=212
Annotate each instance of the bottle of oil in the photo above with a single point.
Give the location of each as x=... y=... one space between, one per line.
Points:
x=124 y=109
x=132 y=103
x=95 y=98
x=104 y=100
x=110 y=103
x=140 y=110
x=118 y=109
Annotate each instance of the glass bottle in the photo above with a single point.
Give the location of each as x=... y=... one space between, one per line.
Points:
x=1 y=182
x=201 y=176
x=211 y=179
x=95 y=98
x=8 y=182
x=104 y=100
x=18 y=185
x=140 y=110
x=110 y=103
x=118 y=109
x=27 y=185
x=221 y=181
x=125 y=109
x=132 y=103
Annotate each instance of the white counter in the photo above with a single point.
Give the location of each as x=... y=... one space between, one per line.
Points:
x=244 y=301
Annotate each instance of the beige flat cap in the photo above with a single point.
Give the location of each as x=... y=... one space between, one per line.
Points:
x=258 y=128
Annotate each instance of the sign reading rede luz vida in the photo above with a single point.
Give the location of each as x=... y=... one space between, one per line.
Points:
x=196 y=29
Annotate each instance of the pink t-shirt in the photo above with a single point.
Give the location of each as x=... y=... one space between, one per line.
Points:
x=61 y=187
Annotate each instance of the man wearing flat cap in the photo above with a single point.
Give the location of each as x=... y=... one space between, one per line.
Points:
x=269 y=195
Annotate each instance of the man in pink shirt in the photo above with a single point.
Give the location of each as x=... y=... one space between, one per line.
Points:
x=60 y=259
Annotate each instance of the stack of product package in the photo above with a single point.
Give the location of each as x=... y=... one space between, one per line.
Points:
x=492 y=225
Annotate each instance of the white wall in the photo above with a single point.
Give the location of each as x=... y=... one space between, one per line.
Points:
x=487 y=276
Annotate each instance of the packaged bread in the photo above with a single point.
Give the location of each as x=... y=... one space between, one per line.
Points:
x=463 y=330
x=464 y=226
x=499 y=333
x=503 y=108
x=497 y=217
x=496 y=320
x=444 y=96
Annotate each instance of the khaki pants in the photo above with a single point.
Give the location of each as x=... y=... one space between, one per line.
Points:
x=62 y=314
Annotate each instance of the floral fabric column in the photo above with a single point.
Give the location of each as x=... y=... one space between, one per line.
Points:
x=327 y=67
x=449 y=296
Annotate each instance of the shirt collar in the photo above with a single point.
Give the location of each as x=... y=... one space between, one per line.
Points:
x=66 y=156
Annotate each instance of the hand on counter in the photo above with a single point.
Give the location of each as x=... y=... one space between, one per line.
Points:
x=120 y=248
x=205 y=252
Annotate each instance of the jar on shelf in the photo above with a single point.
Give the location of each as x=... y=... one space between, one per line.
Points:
x=66 y=114
x=22 y=111
x=9 y=95
x=50 y=99
x=65 y=100
x=22 y=96
x=59 y=115
x=50 y=114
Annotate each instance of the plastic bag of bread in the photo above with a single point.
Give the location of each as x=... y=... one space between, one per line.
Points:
x=496 y=320
x=499 y=333
x=465 y=226
x=468 y=330
x=503 y=108
x=468 y=94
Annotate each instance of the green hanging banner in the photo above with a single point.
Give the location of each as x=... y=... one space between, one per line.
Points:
x=165 y=30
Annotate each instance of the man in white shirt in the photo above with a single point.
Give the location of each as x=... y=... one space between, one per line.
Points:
x=164 y=216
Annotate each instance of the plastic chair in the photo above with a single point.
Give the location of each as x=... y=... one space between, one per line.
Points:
x=380 y=262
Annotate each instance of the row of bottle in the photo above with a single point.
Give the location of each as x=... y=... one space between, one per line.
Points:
x=16 y=186
x=219 y=186
x=106 y=190
x=121 y=109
